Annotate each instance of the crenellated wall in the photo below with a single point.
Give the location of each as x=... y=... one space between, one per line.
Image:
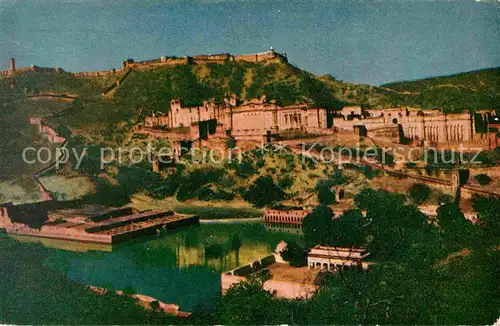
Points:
x=105 y=73
x=11 y=72
x=269 y=56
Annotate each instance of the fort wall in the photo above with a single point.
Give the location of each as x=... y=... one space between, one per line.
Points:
x=11 y=72
x=47 y=131
x=268 y=56
x=105 y=73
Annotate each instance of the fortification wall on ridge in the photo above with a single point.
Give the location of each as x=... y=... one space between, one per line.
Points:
x=105 y=73
x=203 y=59
x=154 y=63
x=269 y=56
x=38 y=69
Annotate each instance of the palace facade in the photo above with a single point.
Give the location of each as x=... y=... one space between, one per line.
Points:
x=254 y=119
x=432 y=126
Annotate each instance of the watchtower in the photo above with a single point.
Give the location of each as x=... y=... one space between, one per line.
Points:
x=12 y=68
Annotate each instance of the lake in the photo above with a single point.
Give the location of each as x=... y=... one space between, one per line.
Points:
x=181 y=267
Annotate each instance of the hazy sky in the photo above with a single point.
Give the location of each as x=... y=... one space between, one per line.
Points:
x=359 y=41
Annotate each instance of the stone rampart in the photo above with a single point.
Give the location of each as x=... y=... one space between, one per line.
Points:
x=269 y=56
x=105 y=73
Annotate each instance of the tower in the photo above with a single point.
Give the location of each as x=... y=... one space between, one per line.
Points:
x=12 y=68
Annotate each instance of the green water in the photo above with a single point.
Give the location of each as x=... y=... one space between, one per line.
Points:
x=181 y=267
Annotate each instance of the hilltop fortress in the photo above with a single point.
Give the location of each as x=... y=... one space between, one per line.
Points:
x=256 y=119
x=163 y=61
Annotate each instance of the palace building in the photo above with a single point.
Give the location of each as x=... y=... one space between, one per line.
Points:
x=254 y=119
x=432 y=126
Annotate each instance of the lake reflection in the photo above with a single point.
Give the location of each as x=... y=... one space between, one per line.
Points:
x=180 y=267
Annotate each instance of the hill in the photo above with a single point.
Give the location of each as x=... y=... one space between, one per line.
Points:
x=473 y=90
x=108 y=119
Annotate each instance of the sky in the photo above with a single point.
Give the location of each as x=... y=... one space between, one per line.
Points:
x=360 y=41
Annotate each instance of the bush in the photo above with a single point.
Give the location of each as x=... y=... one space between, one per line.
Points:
x=418 y=193
x=325 y=196
x=263 y=192
x=444 y=199
x=482 y=179
x=190 y=185
x=317 y=226
x=245 y=169
x=285 y=182
x=294 y=254
x=338 y=178
x=231 y=143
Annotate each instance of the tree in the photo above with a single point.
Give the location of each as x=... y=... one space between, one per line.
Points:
x=489 y=218
x=155 y=305
x=348 y=229
x=483 y=179
x=458 y=232
x=230 y=143
x=247 y=303
x=418 y=193
x=294 y=254
x=338 y=178
x=444 y=199
x=379 y=200
x=317 y=226
x=323 y=190
x=91 y=162
x=326 y=196
x=392 y=227
x=285 y=182
x=264 y=192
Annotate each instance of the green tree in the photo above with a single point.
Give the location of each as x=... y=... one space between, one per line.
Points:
x=264 y=192
x=348 y=229
x=324 y=192
x=458 y=232
x=419 y=193
x=317 y=226
x=483 y=179
x=247 y=303
x=489 y=218
x=294 y=254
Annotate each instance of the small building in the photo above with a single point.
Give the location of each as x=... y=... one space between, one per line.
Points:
x=292 y=216
x=331 y=258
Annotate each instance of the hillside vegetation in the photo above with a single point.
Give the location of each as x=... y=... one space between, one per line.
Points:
x=471 y=90
x=286 y=84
